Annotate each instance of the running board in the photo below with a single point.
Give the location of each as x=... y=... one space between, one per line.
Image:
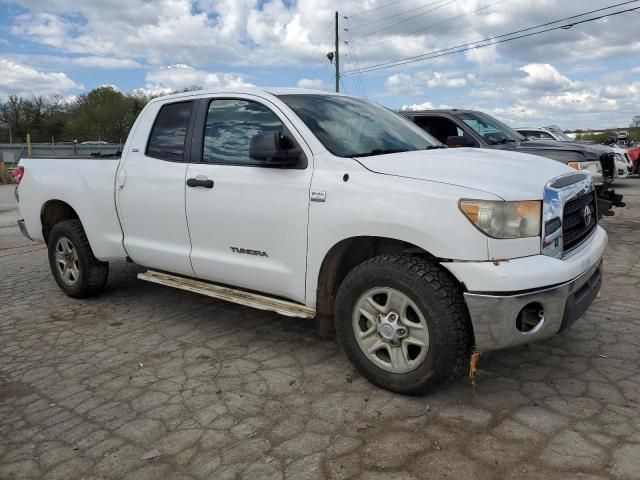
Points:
x=242 y=297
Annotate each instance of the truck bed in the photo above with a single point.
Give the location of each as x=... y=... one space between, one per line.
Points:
x=88 y=184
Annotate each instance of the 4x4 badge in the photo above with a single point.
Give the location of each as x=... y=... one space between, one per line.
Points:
x=317 y=196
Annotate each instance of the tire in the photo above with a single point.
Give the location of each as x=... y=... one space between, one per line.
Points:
x=424 y=294
x=76 y=270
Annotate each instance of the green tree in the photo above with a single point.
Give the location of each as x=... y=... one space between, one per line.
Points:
x=603 y=137
x=634 y=128
x=102 y=114
x=55 y=116
x=43 y=118
x=13 y=118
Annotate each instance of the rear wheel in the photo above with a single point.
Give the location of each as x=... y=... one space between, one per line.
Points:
x=403 y=323
x=76 y=270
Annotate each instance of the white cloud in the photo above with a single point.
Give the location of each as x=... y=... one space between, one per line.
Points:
x=24 y=80
x=583 y=101
x=418 y=106
x=483 y=56
x=629 y=92
x=543 y=76
x=515 y=113
x=152 y=91
x=249 y=32
x=313 y=84
x=249 y=35
x=414 y=84
x=43 y=27
x=180 y=76
x=401 y=83
x=106 y=62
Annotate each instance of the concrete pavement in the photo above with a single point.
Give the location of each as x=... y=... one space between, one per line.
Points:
x=145 y=382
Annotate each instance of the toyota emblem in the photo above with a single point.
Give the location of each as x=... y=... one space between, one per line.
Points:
x=586 y=215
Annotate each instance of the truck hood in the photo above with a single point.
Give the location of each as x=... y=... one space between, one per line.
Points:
x=554 y=149
x=509 y=175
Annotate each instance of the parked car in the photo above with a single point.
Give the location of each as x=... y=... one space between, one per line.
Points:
x=634 y=157
x=622 y=162
x=313 y=204
x=545 y=133
x=94 y=142
x=468 y=128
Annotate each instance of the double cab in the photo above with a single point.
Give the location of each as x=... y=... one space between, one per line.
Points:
x=326 y=206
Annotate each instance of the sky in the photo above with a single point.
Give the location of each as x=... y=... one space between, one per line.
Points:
x=587 y=76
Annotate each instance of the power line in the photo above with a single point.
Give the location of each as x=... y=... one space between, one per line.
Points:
x=376 y=8
x=472 y=45
x=355 y=78
x=422 y=29
x=511 y=33
x=344 y=87
x=393 y=16
x=387 y=27
x=353 y=57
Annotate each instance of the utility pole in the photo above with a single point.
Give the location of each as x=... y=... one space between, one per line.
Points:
x=337 y=56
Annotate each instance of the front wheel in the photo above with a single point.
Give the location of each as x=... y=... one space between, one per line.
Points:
x=403 y=323
x=74 y=267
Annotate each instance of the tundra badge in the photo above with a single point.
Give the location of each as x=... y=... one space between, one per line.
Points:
x=246 y=251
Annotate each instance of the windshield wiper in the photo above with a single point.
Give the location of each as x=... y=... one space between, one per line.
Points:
x=434 y=147
x=503 y=141
x=380 y=151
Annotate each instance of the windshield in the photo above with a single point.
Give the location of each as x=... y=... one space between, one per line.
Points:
x=492 y=130
x=350 y=127
x=560 y=135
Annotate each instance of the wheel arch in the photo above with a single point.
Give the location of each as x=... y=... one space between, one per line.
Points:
x=53 y=212
x=348 y=253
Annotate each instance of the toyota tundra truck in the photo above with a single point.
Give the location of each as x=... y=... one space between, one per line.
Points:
x=326 y=206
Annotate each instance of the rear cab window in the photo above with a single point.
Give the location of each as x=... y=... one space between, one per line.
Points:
x=169 y=132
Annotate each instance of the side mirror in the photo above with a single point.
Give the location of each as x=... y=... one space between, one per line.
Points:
x=273 y=148
x=455 y=142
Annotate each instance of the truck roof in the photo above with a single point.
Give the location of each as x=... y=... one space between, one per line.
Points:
x=440 y=110
x=247 y=90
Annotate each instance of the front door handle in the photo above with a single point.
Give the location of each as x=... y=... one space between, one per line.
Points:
x=200 y=182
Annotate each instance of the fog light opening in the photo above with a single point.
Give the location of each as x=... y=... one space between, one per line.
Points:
x=530 y=318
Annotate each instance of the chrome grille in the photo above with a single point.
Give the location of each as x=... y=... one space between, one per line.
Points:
x=579 y=220
x=565 y=225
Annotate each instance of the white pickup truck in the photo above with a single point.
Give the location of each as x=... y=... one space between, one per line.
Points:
x=326 y=206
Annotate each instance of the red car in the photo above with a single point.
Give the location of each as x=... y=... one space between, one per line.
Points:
x=634 y=156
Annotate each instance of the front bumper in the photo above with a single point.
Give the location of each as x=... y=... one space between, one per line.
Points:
x=495 y=317
x=23 y=229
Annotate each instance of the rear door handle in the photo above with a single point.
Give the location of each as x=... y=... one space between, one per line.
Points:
x=200 y=182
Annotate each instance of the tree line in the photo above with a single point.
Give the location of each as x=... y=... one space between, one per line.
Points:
x=107 y=114
x=606 y=135
x=102 y=114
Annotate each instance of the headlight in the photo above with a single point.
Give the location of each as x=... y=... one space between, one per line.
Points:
x=499 y=219
x=593 y=168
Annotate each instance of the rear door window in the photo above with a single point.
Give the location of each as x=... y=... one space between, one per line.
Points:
x=169 y=132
